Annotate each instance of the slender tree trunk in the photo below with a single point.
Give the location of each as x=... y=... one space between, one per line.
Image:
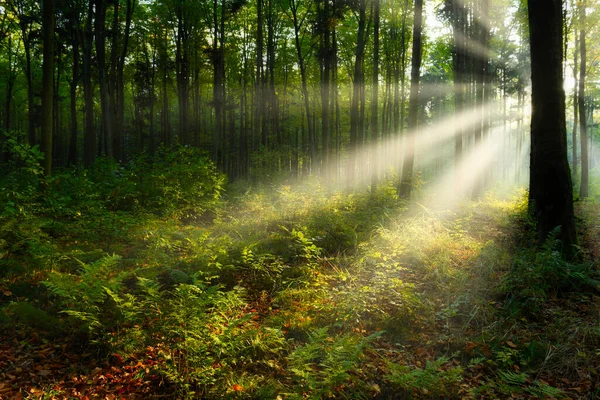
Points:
x=413 y=105
x=301 y=67
x=47 y=83
x=118 y=134
x=102 y=78
x=258 y=98
x=325 y=77
x=375 y=100
x=72 y=157
x=575 y=99
x=89 y=138
x=10 y=84
x=182 y=43
x=217 y=87
x=584 y=184
x=356 y=93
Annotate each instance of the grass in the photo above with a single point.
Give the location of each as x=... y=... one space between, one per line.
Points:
x=291 y=293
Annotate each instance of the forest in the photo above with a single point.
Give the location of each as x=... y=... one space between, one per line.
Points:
x=299 y=199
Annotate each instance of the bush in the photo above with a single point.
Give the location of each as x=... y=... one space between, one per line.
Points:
x=180 y=182
x=537 y=275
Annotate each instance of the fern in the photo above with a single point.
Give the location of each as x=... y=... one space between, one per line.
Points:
x=81 y=295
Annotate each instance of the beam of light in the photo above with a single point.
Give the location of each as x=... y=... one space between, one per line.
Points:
x=460 y=181
x=472 y=46
x=484 y=21
x=390 y=151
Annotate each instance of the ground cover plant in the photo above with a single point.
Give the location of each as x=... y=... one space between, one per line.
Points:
x=114 y=287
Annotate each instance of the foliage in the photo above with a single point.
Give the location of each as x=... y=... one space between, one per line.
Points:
x=538 y=275
x=437 y=379
x=323 y=366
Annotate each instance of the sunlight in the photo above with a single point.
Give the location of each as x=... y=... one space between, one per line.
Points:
x=460 y=181
x=474 y=47
x=390 y=151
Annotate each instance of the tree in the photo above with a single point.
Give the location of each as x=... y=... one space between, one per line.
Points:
x=47 y=83
x=89 y=137
x=550 y=186
x=413 y=104
x=584 y=184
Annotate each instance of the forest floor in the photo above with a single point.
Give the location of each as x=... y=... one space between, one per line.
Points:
x=300 y=293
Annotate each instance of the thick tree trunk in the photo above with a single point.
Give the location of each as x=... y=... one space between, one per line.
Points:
x=550 y=187
x=413 y=105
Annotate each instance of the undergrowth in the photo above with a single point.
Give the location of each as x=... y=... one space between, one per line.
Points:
x=281 y=292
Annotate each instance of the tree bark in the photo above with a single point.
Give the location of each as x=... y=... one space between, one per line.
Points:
x=550 y=186
x=375 y=99
x=106 y=117
x=584 y=184
x=89 y=138
x=47 y=83
x=356 y=92
x=72 y=156
x=413 y=105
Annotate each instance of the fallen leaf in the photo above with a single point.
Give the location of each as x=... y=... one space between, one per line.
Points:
x=511 y=344
x=237 y=388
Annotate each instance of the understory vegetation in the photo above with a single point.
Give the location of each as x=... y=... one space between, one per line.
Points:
x=152 y=279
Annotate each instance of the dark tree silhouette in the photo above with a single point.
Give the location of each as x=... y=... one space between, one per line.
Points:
x=550 y=186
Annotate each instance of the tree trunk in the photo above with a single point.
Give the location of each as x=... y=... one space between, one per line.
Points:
x=102 y=78
x=119 y=116
x=413 y=105
x=301 y=67
x=325 y=76
x=374 y=100
x=584 y=184
x=550 y=187
x=575 y=99
x=72 y=156
x=89 y=138
x=356 y=92
x=47 y=83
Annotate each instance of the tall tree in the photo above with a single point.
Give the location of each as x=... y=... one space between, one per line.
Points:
x=47 y=82
x=26 y=13
x=106 y=143
x=575 y=90
x=584 y=184
x=550 y=186
x=358 y=83
x=74 y=15
x=375 y=97
x=89 y=137
x=413 y=103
